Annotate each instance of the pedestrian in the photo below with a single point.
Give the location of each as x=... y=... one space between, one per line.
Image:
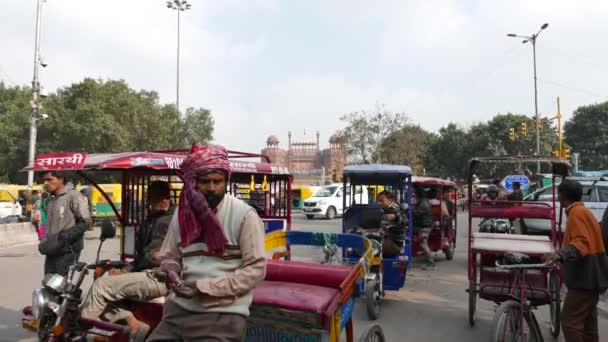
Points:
x=585 y=266
x=218 y=241
x=39 y=215
x=67 y=219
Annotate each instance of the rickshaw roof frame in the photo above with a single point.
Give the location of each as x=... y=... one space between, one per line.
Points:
x=432 y=181
x=376 y=174
x=560 y=167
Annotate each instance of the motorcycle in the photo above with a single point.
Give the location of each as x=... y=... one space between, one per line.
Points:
x=495 y=225
x=56 y=307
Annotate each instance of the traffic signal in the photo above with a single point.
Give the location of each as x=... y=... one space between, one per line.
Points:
x=523 y=129
x=565 y=153
x=556 y=153
x=512 y=134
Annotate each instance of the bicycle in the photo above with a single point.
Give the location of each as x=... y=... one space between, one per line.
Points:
x=514 y=319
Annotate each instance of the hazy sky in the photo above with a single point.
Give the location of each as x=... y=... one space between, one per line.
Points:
x=268 y=67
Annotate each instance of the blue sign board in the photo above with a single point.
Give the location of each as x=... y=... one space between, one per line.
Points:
x=271 y=225
x=507 y=183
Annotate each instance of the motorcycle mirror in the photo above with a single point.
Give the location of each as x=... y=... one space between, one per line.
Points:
x=108 y=230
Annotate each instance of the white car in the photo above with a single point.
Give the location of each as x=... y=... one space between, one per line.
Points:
x=328 y=201
x=595 y=198
x=9 y=206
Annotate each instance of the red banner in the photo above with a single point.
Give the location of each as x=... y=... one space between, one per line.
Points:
x=60 y=161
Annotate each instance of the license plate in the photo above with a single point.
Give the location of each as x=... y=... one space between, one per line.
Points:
x=307 y=209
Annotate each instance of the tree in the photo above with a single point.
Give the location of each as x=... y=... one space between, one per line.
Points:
x=408 y=146
x=448 y=155
x=197 y=125
x=95 y=116
x=365 y=132
x=587 y=133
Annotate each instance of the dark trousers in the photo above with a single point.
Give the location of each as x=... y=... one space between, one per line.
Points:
x=185 y=326
x=59 y=264
x=579 y=316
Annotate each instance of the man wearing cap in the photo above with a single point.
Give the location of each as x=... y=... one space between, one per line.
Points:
x=216 y=242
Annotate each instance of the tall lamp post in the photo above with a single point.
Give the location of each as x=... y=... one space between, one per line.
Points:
x=532 y=39
x=179 y=6
x=36 y=105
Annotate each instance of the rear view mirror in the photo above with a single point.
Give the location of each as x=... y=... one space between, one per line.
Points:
x=108 y=230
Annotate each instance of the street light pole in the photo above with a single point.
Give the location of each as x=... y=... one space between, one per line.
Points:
x=532 y=39
x=179 y=6
x=536 y=104
x=35 y=103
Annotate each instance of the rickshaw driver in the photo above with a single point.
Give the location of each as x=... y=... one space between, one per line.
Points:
x=216 y=242
x=136 y=280
x=394 y=222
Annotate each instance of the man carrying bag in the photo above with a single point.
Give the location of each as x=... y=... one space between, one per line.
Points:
x=67 y=218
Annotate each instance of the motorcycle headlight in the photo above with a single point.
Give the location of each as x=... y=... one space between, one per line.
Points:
x=55 y=283
x=40 y=300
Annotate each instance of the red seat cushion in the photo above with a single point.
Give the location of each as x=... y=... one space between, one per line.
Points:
x=294 y=296
x=297 y=297
x=331 y=276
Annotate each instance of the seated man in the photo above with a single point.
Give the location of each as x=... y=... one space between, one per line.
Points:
x=423 y=224
x=394 y=222
x=135 y=281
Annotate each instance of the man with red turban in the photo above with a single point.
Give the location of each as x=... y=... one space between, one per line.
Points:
x=216 y=242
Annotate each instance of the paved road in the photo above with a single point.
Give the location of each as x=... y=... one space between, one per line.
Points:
x=432 y=306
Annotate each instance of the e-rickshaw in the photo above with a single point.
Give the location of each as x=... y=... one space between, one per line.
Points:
x=327 y=289
x=383 y=273
x=444 y=228
x=518 y=284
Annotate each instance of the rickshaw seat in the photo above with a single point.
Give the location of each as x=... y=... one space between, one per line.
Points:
x=307 y=273
x=299 y=300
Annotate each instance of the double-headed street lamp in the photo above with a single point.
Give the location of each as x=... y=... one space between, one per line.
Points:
x=179 y=6
x=532 y=39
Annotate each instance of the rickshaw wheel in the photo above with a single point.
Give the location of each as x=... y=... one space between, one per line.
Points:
x=472 y=302
x=555 y=306
x=372 y=299
x=449 y=251
x=373 y=334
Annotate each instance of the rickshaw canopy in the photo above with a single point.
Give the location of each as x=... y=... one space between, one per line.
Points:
x=146 y=160
x=374 y=174
x=431 y=181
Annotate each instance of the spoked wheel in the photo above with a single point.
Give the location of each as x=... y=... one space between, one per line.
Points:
x=472 y=302
x=373 y=334
x=449 y=250
x=372 y=299
x=508 y=325
x=555 y=307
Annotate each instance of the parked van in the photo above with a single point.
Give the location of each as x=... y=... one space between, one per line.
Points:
x=327 y=201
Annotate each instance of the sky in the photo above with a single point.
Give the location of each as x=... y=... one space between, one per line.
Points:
x=268 y=67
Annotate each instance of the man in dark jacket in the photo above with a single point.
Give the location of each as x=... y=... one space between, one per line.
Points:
x=67 y=218
x=585 y=266
x=423 y=224
x=136 y=281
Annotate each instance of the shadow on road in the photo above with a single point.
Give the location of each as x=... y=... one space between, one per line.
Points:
x=10 y=326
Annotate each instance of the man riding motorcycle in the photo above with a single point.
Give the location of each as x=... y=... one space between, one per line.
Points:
x=136 y=280
x=493 y=225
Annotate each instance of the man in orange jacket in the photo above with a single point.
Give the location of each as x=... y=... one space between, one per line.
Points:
x=585 y=266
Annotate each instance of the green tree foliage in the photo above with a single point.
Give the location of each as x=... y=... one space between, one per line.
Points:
x=408 y=146
x=365 y=131
x=587 y=134
x=94 y=116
